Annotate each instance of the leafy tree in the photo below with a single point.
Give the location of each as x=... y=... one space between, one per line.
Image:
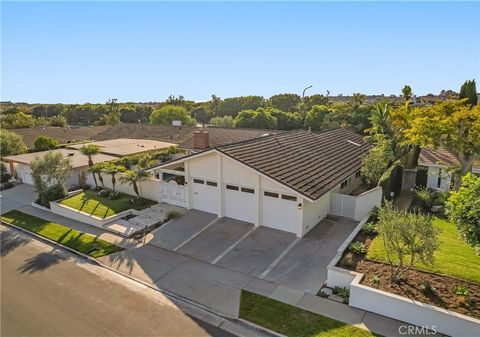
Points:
x=463 y=209
x=44 y=143
x=11 y=144
x=169 y=113
x=17 y=121
x=319 y=118
x=232 y=106
x=57 y=120
x=113 y=170
x=376 y=162
x=407 y=94
x=215 y=103
x=287 y=120
x=318 y=99
x=222 y=122
x=133 y=178
x=469 y=91
x=451 y=125
x=285 y=102
x=51 y=169
x=201 y=114
x=90 y=150
x=259 y=119
x=408 y=238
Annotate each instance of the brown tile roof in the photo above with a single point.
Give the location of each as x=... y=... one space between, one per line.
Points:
x=222 y=136
x=439 y=156
x=126 y=146
x=308 y=162
x=63 y=135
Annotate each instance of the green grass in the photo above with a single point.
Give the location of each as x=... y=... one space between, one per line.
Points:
x=292 y=321
x=453 y=258
x=92 y=203
x=82 y=242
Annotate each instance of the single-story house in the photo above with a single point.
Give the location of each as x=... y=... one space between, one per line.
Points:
x=122 y=147
x=436 y=165
x=283 y=181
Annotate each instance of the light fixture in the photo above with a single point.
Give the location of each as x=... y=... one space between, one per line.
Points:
x=299 y=206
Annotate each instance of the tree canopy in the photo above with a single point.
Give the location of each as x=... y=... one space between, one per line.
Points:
x=169 y=113
x=233 y=105
x=11 y=143
x=285 y=102
x=469 y=91
x=260 y=119
x=44 y=143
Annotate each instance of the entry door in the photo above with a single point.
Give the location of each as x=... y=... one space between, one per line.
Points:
x=240 y=202
x=204 y=195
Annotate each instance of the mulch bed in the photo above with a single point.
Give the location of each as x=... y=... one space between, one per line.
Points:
x=442 y=296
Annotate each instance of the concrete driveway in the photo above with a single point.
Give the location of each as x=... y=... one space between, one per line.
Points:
x=17 y=197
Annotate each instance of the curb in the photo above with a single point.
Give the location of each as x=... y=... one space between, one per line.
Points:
x=240 y=323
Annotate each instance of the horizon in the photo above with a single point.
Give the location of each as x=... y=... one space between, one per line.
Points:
x=73 y=53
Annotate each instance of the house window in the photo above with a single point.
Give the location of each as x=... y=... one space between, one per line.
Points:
x=270 y=194
x=211 y=183
x=231 y=187
x=248 y=190
x=198 y=181
x=439 y=179
x=289 y=197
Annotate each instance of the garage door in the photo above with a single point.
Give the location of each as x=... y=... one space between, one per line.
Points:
x=239 y=202
x=204 y=195
x=279 y=211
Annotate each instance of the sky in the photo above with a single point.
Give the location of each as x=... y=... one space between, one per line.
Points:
x=77 y=52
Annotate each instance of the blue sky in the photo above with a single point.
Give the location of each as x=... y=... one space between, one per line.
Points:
x=144 y=51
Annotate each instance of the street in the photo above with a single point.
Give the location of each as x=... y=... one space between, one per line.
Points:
x=46 y=291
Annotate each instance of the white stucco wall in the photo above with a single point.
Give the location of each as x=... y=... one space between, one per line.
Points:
x=204 y=166
x=432 y=178
x=314 y=212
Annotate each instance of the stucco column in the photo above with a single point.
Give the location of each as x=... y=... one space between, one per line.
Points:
x=300 y=216
x=187 y=184
x=258 y=200
x=220 y=193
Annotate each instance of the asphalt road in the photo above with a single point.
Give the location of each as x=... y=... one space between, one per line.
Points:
x=46 y=291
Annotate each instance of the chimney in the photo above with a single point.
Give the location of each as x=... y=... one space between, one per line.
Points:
x=200 y=140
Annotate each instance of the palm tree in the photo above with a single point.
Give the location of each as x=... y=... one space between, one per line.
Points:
x=133 y=178
x=113 y=169
x=97 y=169
x=215 y=104
x=407 y=94
x=90 y=150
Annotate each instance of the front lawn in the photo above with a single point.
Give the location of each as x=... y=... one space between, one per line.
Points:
x=453 y=258
x=292 y=321
x=82 y=242
x=94 y=204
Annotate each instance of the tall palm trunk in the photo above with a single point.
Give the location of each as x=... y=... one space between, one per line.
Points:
x=113 y=182
x=90 y=164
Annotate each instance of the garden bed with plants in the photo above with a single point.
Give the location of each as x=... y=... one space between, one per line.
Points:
x=451 y=282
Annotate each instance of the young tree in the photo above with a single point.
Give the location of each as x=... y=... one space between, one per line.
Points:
x=451 y=125
x=11 y=143
x=133 y=178
x=376 y=162
x=44 y=143
x=113 y=169
x=408 y=238
x=469 y=91
x=169 y=113
x=463 y=209
x=201 y=114
x=215 y=103
x=407 y=94
x=97 y=169
x=51 y=169
x=90 y=150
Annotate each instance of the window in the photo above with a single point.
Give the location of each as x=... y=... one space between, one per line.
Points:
x=198 y=181
x=289 y=197
x=211 y=183
x=231 y=187
x=270 y=194
x=248 y=190
x=357 y=175
x=439 y=179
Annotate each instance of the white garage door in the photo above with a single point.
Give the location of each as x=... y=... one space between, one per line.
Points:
x=25 y=174
x=239 y=202
x=204 y=195
x=279 y=211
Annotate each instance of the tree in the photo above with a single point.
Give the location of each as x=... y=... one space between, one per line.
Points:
x=463 y=209
x=222 y=122
x=18 y=120
x=44 y=143
x=169 y=113
x=376 y=162
x=319 y=118
x=113 y=169
x=51 y=169
x=451 y=125
x=215 y=103
x=90 y=150
x=233 y=105
x=287 y=120
x=97 y=169
x=201 y=114
x=259 y=119
x=285 y=102
x=57 y=120
x=469 y=91
x=317 y=99
x=11 y=144
x=133 y=178
x=407 y=94
x=408 y=238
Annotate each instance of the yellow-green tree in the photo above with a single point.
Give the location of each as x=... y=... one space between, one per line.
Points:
x=451 y=125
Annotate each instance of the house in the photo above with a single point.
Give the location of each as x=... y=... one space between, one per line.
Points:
x=19 y=165
x=284 y=181
x=435 y=166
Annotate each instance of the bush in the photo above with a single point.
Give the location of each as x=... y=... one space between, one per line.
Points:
x=426 y=197
x=427 y=288
x=105 y=192
x=172 y=215
x=357 y=247
x=369 y=228
x=374 y=214
x=169 y=113
x=4 y=175
x=222 y=122
x=374 y=280
x=114 y=195
x=43 y=143
x=51 y=193
x=343 y=292
x=6 y=186
x=460 y=290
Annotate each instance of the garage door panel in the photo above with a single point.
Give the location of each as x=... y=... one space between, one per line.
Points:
x=279 y=213
x=239 y=203
x=204 y=195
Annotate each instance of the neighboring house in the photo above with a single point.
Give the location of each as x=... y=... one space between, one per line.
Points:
x=284 y=181
x=19 y=165
x=437 y=165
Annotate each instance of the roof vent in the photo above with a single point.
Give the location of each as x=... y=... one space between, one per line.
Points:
x=71 y=154
x=356 y=144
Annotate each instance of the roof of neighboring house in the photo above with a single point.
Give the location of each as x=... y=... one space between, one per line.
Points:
x=63 y=135
x=308 y=162
x=439 y=156
x=77 y=159
x=125 y=146
x=222 y=136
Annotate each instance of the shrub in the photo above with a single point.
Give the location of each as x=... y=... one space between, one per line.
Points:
x=347 y=260
x=172 y=215
x=223 y=122
x=6 y=186
x=114 y=195
x=426 y=197
x=374 y=214
x=427 y=288
x=4 y=175
x=104 y=192
x=369 y=228
x=374 y=280
x=357 y=247
x=51 y=193
x=460 y=290
x=343 y=292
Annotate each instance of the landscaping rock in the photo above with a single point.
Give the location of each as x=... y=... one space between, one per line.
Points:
x=326 y=291
x=336 y=298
